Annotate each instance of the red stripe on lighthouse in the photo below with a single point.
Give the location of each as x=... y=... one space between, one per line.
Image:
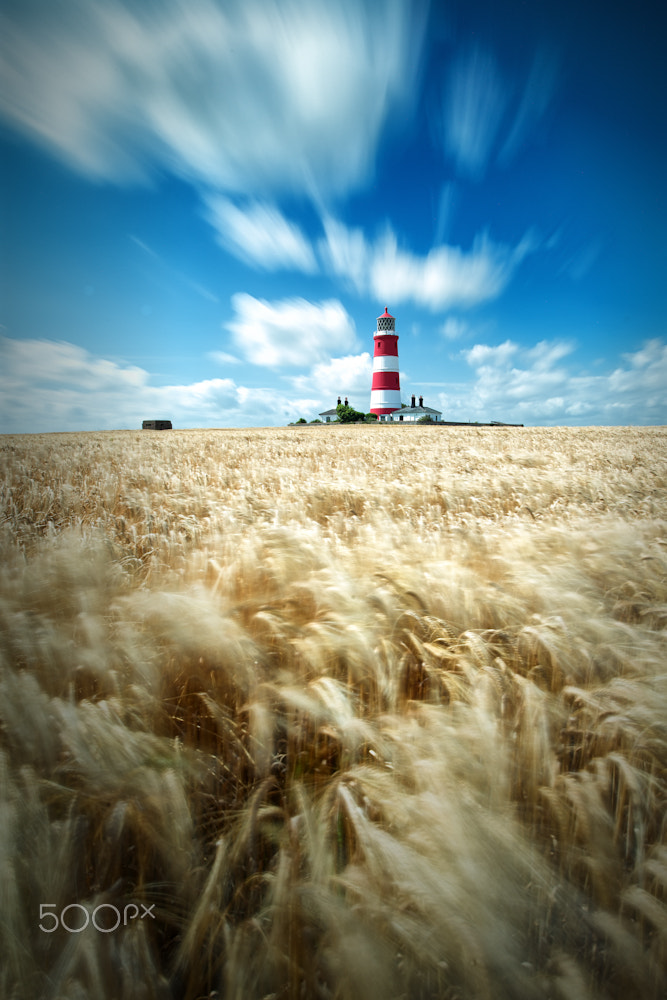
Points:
x=386 y=344
x=385 y=380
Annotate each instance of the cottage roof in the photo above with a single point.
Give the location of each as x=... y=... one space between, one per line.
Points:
x=422 y=411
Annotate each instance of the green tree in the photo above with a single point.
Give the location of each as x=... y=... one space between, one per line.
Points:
x=348 y=415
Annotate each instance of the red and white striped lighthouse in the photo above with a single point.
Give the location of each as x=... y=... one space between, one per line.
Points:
x=385 y=388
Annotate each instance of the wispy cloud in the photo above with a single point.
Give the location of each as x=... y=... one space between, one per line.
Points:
x=243 y=96
x=173 y=272
x=578 y=264
x=487 y=115
x=223 y=359
x=260 y=235
x=453 y=328
x=446 y=277
x=476 y=100
x=446 y=203
x=346 y=253
x=535 y=99
x=291 y=332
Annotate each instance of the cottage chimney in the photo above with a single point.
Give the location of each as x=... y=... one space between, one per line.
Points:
x=412 y=404
x=421 y=402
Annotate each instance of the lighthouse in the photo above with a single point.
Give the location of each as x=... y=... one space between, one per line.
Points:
x=385 y=387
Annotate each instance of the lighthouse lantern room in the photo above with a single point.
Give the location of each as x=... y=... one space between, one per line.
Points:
x=385 y=387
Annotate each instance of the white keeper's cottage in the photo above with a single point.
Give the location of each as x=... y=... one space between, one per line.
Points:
x=411 y=414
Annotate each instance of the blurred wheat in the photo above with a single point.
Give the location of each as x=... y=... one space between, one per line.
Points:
x=361 y=712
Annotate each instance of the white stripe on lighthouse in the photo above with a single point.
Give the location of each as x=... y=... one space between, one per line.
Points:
x=385 y=363
x=384 y=398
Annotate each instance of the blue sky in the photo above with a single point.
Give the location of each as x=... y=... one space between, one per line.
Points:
x=206 y=205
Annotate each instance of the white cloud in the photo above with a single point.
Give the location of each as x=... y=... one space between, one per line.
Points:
x=49 y=386
x=530 y=385
x=292 y=332
x=246 y=96
x=347 y=376
x=47 y=362
x=546 y=353
x=536 y=388
x=483 y=356
x=270 y=407
x=206 y=400
x=346 y=253
x=447 y=276
x=646 y=375
x=260 y=235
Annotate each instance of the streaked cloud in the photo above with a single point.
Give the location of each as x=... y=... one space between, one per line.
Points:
x=245 y=96
x=446 y=277
x=535 y=99
x=475 y=103
x=346 y=253
x=173 y=273
x=487 y=115
x=446 y=204
x=291 y=332
x=260 y=235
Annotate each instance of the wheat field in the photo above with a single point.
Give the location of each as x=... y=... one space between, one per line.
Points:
x=349 y=712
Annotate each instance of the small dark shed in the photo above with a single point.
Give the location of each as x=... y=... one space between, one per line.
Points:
x=156 y=425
